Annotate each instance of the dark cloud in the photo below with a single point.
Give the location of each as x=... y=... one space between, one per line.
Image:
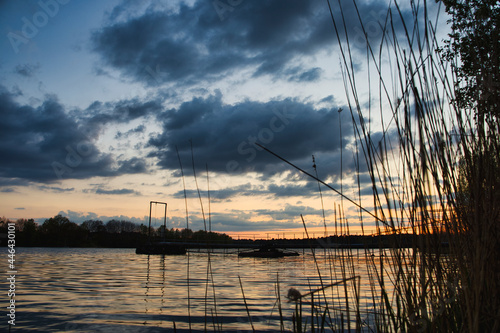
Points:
x=6 y=182
x=56 y=189
x=194 y=43
x=225 y=136
x=237 y=220
x=271 y=220
x=27 y=70
x=122 y=191
x=137 y=130
x=133 y=165
x=299 y=75
x=310 y=188
x=225 y=194
x=98 y=113
x=232 y=220
x=46 y=144
x=290 y=212
x=328 y=99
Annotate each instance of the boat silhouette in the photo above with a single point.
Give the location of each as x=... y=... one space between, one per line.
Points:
x=268 y=251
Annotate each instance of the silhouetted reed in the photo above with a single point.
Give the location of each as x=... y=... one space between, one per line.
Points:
x=434 y=170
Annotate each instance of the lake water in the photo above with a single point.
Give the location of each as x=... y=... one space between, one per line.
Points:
x=116 y=290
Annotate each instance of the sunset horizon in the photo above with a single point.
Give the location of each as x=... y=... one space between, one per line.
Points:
x=107 y=106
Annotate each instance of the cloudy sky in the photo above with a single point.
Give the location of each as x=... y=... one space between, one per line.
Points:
x=105 y=105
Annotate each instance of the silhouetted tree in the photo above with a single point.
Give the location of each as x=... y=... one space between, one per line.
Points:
x=127 y=226
x=186 y=234
x=143 y=229
x=113 y=227
x=205 y=236
x=60 y=231
x=3 y=223
x=20 y=224
x=474 y=50
x=30 y=233
x=93 y=226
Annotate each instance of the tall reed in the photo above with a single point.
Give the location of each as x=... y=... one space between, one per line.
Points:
x=434 y=169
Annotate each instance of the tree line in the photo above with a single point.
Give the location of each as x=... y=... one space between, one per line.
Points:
x=59 y=231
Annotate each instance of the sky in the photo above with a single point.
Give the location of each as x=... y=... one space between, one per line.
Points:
x=108 y=105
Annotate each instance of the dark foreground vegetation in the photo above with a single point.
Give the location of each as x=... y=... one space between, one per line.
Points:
x=434 y=167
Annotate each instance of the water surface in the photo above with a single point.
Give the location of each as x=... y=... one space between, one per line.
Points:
x=115 y=290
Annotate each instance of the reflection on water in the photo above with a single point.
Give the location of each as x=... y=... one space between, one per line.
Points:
x=115 y=290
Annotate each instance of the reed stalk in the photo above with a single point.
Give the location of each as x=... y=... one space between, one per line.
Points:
x=434 y=175
x=246 y=305
x=434 y=172
x=187 y=227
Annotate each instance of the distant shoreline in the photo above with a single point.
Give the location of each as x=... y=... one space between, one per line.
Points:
x=331 y=242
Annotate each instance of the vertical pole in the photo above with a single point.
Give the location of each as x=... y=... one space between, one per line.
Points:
x=341 y=173
x=335 y=212
x=209 y=211
x=149 y=228
x=165 y=223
